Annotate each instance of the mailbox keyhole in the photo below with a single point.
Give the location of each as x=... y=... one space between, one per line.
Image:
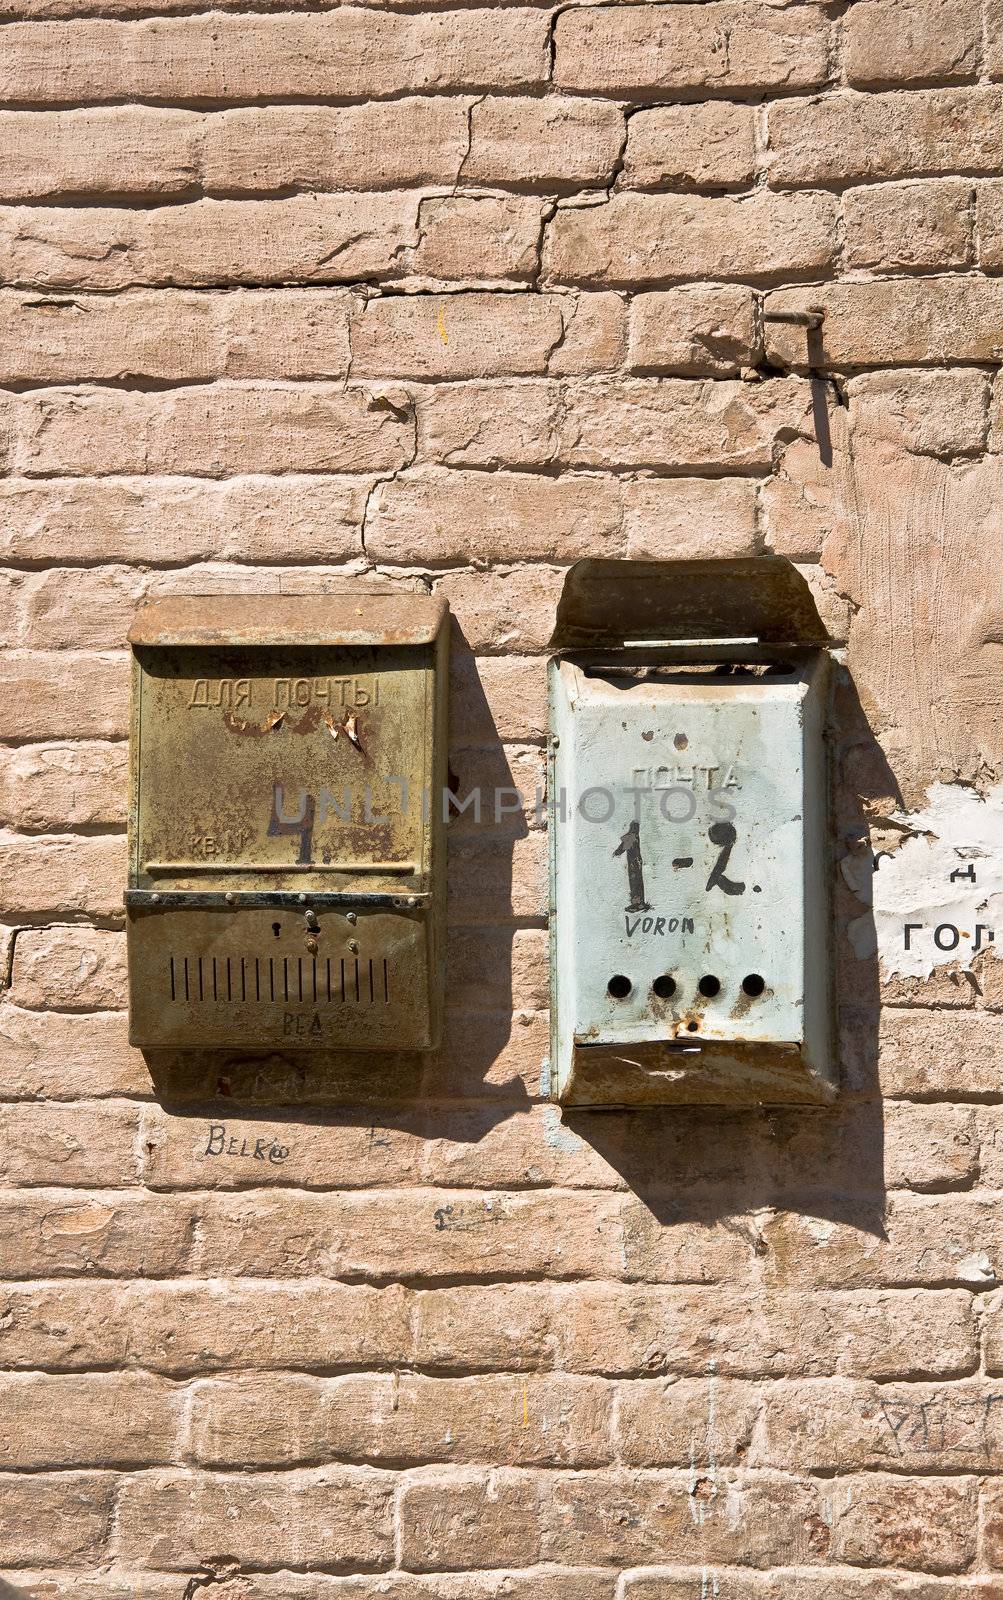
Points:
x=709 y=986
x=277 y=929
x=753 y=985
x=664 y=986
x=619 y=986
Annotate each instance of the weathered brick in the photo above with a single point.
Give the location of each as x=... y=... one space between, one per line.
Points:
x=89 y=609
x=97 y=1419
x=483 y=237
x=496 y=423
x=80 y=1143
x=910 y=41
x=835 y=1426
x=335 y=1517
x=411 y=1233
x=199 y=1326
x=801 y=503
x=513 y=516
x=70 y=968
x=647 y=238
x=466 y=1519
x=686 y=519
x=50 y=1233
x=635 y=49
x=553 y=143
x=183 y=519
x=939 y=1054
x=687 y=1422
x=502 y=1056
x=50 y=1517
x=121 y=150
x=711 y=145
x=386 y=145
x=930 y=1147
x=630 y=1329
x=477 y=335
x=508 y=609
x=738 y=1583
x=889 y=227
x=849 y=136
x=932 y=413
x=47 y=787
x=232 y=428
x=923 y=1524
x=701 y=330
x=534 y=1584
x=403 y=1421
x=499 y=968
x=65 y=1055
x=63 y=1326
x=630 y=1519
x=994 y=39
x=930 y=1239
x=903 y=322
x=304 y=239
x=53 y=694
x=990 y=226
x=349 y=51
x=119 y=1585
x=640 y=422
x=497 y=882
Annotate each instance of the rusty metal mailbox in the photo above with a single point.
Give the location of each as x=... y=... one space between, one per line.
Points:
x=286 y=872
x=690 y=858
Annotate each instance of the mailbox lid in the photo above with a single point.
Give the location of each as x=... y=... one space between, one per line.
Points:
x=377 y=617
x=739 y=753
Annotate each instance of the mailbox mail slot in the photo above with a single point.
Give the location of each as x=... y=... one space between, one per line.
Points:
x=286 y=863
x=690 y=845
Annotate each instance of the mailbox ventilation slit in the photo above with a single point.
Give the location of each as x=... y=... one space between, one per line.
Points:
x=271 y=977
x=243 y=981
x=285 y=978
x=186 y=977
x=214 y=993
x=299 y=979
x=357 y=994
x=315 y=979
x=372 y=990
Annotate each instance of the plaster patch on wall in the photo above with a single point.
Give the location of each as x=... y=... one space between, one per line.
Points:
x=921 y=918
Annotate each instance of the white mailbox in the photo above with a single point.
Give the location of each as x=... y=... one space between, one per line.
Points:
x=690 y=850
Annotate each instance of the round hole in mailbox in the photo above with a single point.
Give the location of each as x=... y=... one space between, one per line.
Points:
x=753 y=985
x=664 y=986
x=709 y=986
x=619 y=986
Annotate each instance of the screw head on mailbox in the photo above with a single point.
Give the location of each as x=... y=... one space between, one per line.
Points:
x=690 y=845
x=286 y=859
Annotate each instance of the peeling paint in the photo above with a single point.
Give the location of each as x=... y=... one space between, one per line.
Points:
x=913 y=896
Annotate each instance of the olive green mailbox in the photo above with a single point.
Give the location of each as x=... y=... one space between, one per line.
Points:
x=286 y=852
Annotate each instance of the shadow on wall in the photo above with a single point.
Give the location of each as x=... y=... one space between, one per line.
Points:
x=685 y=1164
x=400 y=1088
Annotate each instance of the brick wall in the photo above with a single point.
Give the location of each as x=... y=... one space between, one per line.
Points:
x=455 y=297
